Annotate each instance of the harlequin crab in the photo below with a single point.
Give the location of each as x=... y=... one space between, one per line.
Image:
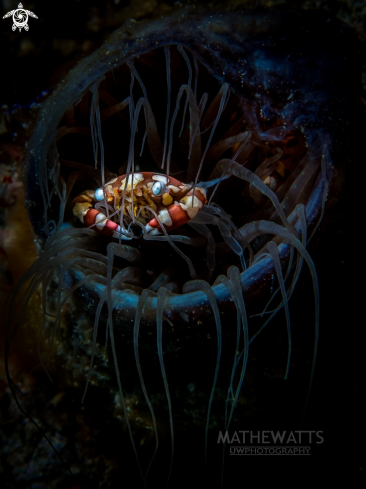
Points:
x=151 y=199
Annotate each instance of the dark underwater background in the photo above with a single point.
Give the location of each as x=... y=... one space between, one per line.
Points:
x=31 y=64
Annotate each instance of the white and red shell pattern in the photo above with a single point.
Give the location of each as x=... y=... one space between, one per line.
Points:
x=175 y=203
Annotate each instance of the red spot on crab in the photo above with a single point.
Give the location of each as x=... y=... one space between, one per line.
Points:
x=177 y=214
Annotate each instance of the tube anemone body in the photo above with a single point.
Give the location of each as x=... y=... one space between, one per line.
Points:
x=273 y=82
x=278 y=75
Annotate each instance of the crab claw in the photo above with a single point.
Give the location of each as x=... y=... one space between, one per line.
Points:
x=118 y=233
x=152 y=231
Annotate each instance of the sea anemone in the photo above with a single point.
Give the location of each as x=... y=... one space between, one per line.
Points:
x=242 y=100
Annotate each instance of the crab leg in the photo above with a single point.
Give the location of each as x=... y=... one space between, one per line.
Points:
x=178 y=213
x=83 y=209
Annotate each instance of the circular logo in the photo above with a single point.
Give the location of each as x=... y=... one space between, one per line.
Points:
x=20 y=19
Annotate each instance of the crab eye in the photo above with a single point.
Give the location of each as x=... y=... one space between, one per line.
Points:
x=158 y=189
x=98 y=194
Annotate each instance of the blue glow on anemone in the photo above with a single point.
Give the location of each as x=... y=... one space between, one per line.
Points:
x=244 y=101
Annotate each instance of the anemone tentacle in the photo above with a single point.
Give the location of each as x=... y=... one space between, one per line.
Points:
x=253 y=137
